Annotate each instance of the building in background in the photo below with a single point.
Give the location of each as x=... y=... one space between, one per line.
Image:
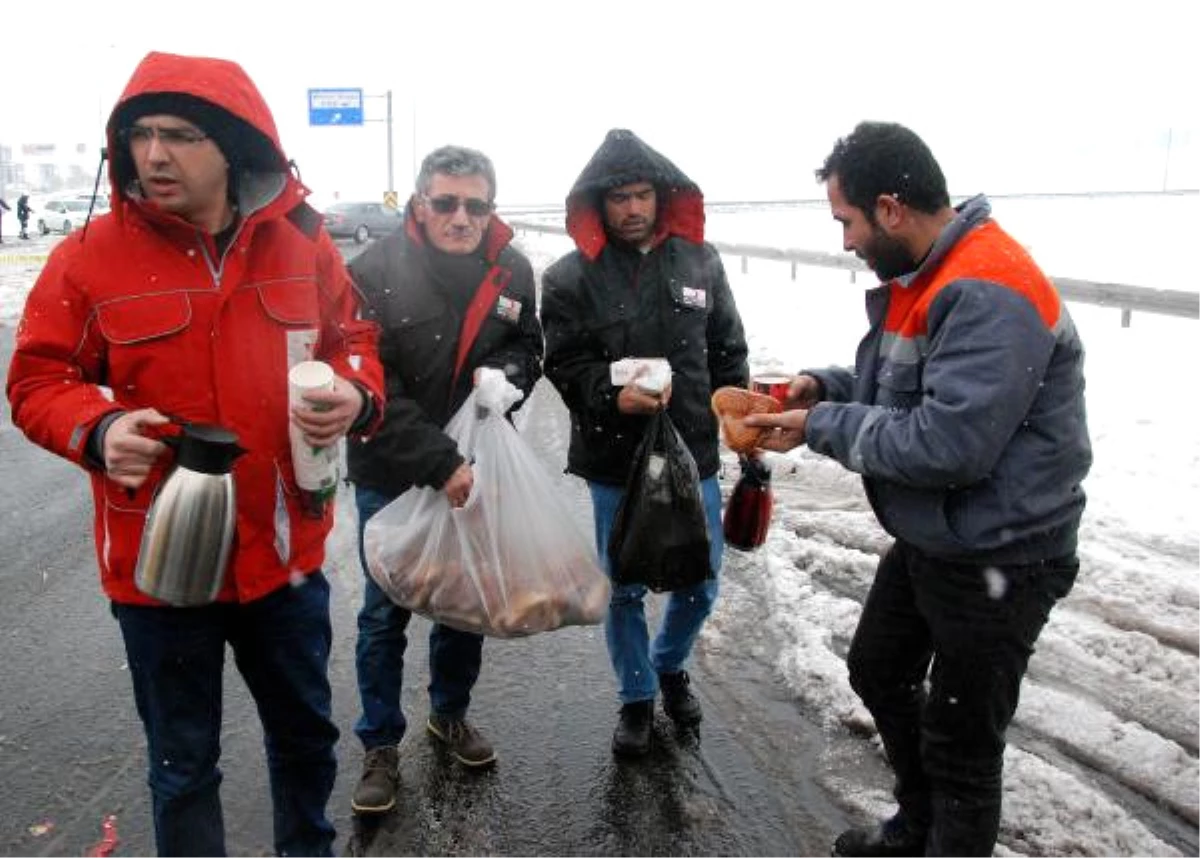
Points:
x=46 y=168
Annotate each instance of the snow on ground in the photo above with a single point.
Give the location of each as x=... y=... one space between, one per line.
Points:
x=1103 y=751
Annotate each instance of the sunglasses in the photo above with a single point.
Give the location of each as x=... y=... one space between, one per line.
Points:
x=169 y=137
x=448 y=204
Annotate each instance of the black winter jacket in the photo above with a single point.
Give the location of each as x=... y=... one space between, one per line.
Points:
x=605 y=301
x=418 y=343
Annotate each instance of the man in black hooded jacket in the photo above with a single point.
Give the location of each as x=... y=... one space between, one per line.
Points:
x=642 y=283
x=450 y=295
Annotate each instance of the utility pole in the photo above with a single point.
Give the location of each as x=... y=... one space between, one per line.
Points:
x=391 y=176
x=1167 y=163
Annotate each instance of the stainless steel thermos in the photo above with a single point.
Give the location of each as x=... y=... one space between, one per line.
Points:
x=189 y=527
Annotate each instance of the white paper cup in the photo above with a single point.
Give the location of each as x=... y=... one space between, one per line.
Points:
x=316 y=468
x=309 y=375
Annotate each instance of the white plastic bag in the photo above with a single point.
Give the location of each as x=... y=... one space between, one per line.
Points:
x=512 y=561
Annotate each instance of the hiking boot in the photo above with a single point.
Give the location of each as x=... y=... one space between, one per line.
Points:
x=376 y=790
x=892 y=837
x=679 y=703
x=632 y=736
x=465 y=743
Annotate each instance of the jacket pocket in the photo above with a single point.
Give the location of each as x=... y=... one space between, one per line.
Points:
x=291 y=302
x=139 y=319
x=286 y=495
x=122 y=517
x=137 y=501
x=899 y=384
x=142 y=334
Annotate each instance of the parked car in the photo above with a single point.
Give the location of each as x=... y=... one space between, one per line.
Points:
x=63 y=214
x=102 y=200
x=361 y=221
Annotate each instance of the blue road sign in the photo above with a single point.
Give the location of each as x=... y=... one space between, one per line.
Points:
x=335 y=107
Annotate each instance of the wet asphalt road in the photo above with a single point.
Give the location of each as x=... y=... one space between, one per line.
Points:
x=72 y=752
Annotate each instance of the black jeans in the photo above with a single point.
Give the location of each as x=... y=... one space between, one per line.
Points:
x=971 y=629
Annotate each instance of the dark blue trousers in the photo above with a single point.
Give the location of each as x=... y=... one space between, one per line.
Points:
x=281 y=647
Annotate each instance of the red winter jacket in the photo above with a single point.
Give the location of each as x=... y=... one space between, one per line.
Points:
x=139 y=310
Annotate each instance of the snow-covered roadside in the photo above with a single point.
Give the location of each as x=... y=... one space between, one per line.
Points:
x=1102 y=757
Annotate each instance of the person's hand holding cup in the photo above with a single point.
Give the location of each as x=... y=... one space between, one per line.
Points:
x=773 y=384
x=790 y=391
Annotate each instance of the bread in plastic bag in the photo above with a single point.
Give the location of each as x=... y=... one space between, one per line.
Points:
x=512 y=561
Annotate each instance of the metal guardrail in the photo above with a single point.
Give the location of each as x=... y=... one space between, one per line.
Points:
x=1147 y=299
x=1126 y=298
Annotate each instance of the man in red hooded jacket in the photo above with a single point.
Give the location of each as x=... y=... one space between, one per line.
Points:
x=190 y=302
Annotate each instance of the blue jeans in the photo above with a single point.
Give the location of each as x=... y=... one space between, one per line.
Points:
x=637 y=663
x=970 y=628
x=454 y=656
x=281 y=647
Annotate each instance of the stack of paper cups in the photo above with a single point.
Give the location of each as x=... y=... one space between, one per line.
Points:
x=316 y=468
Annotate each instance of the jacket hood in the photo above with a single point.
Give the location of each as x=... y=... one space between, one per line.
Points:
x=217 y=95
x=622 y=159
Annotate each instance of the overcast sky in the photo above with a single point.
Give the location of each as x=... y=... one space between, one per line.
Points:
x=746 y=97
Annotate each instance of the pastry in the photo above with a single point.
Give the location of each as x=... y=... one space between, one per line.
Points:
x=732 y=405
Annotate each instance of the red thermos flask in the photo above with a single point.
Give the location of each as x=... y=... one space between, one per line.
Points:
x=748 y=514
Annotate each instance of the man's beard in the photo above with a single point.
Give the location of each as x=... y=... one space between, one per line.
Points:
x=887 y=257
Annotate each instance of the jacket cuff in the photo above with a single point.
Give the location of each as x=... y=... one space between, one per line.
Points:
x=93 y=450
x=366 y=414
x=437 y=476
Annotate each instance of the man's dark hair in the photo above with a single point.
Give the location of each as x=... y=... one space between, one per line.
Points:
x=456 y=161
x=885 y=158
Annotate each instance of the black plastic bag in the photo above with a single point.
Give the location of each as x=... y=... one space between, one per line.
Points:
x=660 y=535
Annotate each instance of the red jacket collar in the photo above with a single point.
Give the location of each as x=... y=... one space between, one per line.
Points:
x=682 y=216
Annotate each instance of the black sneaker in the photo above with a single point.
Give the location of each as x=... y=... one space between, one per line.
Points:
x=376 y=790
x=465 y=743
x=632 y=736
x=679 y=703
x=893 y=837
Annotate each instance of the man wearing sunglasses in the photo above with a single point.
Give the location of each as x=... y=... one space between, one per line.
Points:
x=451 y=295
x=190 y=302
x=642 y=283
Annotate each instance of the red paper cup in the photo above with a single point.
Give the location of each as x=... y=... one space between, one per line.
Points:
x=774 y=386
